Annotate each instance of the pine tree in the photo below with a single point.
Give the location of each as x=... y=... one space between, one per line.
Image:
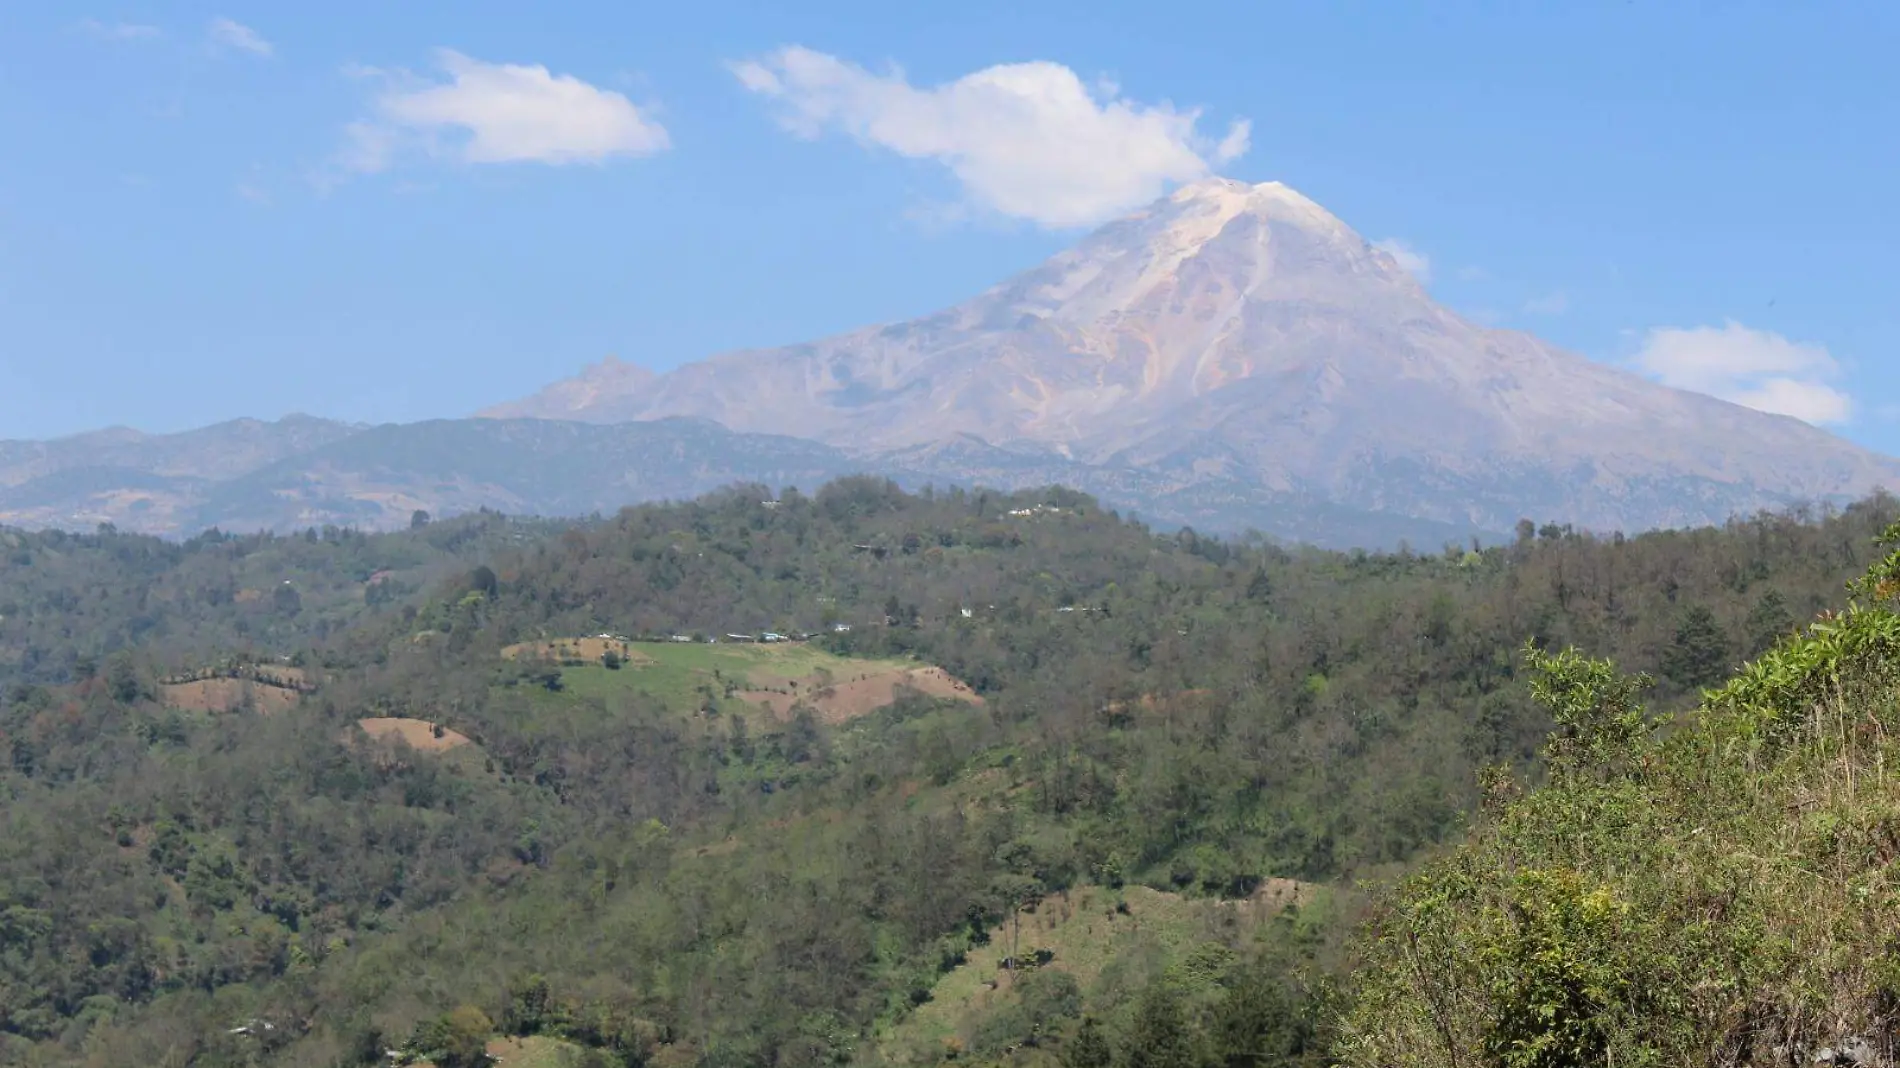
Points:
x=1768 y=621
x=1699 y=656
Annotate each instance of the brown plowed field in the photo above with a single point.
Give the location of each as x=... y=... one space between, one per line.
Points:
x=846 y=700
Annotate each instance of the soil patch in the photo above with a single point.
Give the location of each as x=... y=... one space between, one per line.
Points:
x=588 y=649
x=419 y=733
x=837 y=700
x=1274 y=895
x=229 y=695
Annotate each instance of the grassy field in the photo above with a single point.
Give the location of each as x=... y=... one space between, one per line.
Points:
x=745 y=679
x=534 y=1051
x=1109 y=940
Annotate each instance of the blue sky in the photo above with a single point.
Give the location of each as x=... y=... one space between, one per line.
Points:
x=391 y=212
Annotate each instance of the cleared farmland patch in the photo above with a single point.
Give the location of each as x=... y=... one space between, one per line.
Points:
x=228 y=695
x=837 y=700
x=227 y=689
x=576 y=649
x=420 y=734
x=743 y=678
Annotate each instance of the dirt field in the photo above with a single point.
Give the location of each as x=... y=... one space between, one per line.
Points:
x=575 y=649
x=418 y=733
x=228 y=695
x=848 y=698
x=1275 y=895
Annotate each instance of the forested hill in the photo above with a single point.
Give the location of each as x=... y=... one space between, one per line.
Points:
x=69 y=601
x=676 y=852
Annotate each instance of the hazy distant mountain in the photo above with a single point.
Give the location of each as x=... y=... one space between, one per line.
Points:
x=142 y=481
x=1240 y=342
x=376 y=477
x=591 y=396
x=222 y=450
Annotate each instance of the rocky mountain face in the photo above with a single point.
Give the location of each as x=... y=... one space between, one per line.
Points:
x=1240 y=343
x=590 y=396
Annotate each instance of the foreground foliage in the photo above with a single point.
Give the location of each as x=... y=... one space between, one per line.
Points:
x=1720 y=890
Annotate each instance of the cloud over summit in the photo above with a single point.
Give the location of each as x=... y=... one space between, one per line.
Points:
x=1026 y=140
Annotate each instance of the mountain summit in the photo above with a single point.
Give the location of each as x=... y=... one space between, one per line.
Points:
x=1241 y=346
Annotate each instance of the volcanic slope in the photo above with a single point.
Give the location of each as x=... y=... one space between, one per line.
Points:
x=1236 y=347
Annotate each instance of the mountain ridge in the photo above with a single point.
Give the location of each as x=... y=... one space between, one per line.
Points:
x=376 y=477
x=1243 y=332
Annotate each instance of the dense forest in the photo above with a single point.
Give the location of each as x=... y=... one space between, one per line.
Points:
x=1161 y=731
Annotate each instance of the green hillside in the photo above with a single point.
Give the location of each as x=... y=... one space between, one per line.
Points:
x=1092 y=950
x=1720 y=889
x=699 y=857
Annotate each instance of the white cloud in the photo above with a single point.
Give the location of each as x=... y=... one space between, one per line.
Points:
x=224 y=33
x=1414 y=262
x=1235 y=145
x=1549 y=304
x=1027 y=140
x=497 y=113
x=1755 y=368
x=118 y=31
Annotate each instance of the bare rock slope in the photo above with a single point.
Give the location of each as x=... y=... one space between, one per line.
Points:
x=1240 y=345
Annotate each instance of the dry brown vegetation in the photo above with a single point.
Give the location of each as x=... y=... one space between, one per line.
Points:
x=229 y=695
x=575 y=649
x=837 y=702
x=418 y=733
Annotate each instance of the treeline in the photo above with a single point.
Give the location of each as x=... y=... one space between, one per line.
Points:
x=68 y=602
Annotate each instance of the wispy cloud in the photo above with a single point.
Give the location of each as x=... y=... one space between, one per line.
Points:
x=1555 y=303
x=1754 y=368
x=1026 y=140
x=225 y=34
x=495 y=113
x=1473 y=274
x=1414 y=262
x=119 y=31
